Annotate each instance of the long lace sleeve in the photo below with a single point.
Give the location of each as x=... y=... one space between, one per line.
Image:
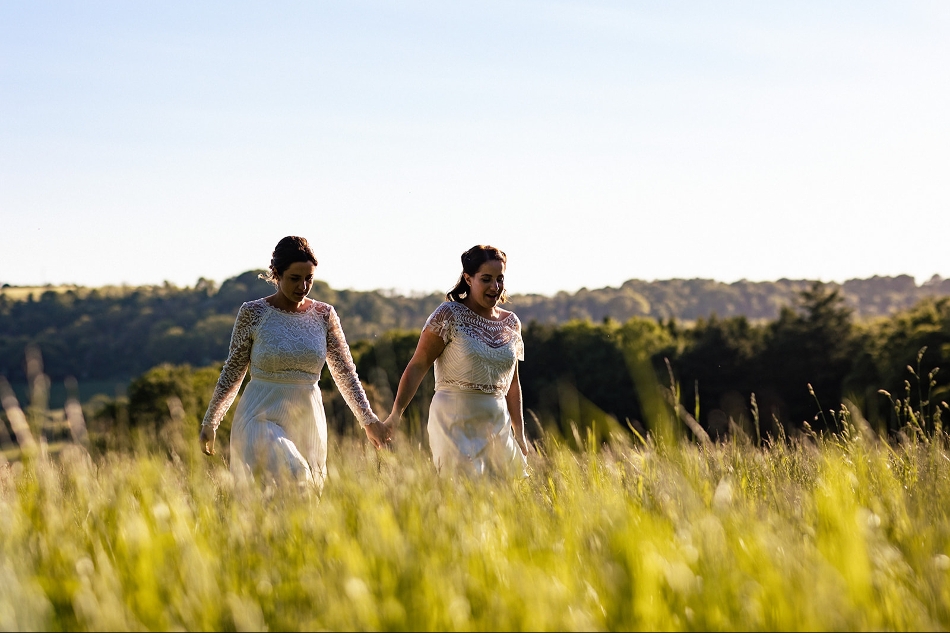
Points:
x=343 y=370
x=232 y=374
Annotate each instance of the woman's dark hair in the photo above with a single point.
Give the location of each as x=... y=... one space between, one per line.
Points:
x=288 y=251
x=472 y=260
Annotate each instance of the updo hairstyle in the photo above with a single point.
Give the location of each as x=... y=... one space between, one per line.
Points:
x=290 y=250
x=472 y=260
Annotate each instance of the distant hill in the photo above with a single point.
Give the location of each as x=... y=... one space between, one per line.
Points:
x=120 y=332
x=691 y=299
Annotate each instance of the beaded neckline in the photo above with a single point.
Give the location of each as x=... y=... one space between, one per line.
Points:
x=501 y=320
x=311 y=307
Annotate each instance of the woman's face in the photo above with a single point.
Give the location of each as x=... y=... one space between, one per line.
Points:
x=487 y=284
x=296 y=281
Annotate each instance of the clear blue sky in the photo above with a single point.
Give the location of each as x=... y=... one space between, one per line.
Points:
x=593 y=141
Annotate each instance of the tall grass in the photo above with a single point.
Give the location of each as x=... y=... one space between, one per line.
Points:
x=842 y=532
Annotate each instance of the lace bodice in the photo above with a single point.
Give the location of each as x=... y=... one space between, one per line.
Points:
x=480 y=354
x=288 y=347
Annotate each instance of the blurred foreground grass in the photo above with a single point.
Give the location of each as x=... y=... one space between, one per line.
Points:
x=832 y=533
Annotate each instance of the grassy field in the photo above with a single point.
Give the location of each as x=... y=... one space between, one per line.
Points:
x=22 y=293
x=831 y=533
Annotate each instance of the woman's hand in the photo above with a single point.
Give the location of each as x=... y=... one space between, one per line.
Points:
x=379 y=434
x=206 y=439
x=522 y=444
x=392 y=421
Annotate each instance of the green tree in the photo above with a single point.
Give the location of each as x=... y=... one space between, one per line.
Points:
x=578 y=373
x=813 y=344
x=150 y=394
x=907 y=353
x=719 y=366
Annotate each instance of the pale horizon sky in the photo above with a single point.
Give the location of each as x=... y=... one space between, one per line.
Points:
x=594 y=142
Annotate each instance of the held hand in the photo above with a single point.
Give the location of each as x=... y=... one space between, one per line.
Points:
x=206 y=439
x=379 y=434
x=392 y=421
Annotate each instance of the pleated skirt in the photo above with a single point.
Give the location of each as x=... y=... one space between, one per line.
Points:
x=279 y=433
x=470 y=431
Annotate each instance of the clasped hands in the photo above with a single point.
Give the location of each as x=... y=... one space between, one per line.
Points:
x=381 y=433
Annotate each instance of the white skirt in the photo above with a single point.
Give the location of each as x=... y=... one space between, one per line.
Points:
x=471 y=431
x=280 y=430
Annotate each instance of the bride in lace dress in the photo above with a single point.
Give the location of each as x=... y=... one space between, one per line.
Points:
x=280 y=427
x=476 y=422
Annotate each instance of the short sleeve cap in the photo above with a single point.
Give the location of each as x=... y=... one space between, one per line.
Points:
x=519 y=341
x=442 y=323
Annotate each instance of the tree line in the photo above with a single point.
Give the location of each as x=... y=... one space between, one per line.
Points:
x=722 y=373
x=119 y=333
x=721 y=376
x=785 y=376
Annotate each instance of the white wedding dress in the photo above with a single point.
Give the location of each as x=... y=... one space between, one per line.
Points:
x=469 y=424
x=280 y=425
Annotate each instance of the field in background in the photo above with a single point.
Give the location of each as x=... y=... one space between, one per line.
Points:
x=86 y=391
x=22 y=293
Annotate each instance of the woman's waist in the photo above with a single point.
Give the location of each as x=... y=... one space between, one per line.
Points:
x=286 y=377
x=472 y=388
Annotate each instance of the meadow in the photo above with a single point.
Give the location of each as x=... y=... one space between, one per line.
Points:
x=816 y=532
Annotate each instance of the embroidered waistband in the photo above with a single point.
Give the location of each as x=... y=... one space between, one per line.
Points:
x=280 y=380
x=468 y=387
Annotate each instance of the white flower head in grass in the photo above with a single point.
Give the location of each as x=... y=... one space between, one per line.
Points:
x=722 y=498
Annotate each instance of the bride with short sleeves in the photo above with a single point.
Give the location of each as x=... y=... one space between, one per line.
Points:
x=476 y=422
x=469 y=419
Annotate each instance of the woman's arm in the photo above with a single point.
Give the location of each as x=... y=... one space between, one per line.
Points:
x=516 y=411
x=343 y=370
x=232 y=375
x=429 y=348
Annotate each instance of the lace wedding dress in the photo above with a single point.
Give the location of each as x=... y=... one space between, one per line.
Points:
x=280 y=425
x=469 y=424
